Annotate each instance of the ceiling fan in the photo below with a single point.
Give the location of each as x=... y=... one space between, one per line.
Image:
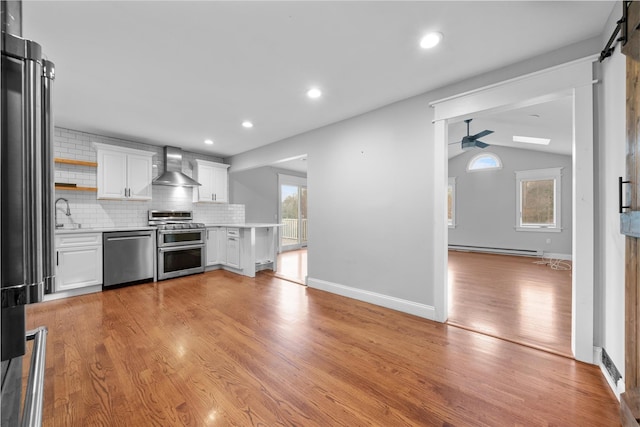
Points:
x=471 y=141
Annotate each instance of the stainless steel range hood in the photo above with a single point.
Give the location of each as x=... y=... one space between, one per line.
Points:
x=173 y=175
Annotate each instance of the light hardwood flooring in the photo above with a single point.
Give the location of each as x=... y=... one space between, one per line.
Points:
x=292 y=265
x=512 y=298
x=220 y=349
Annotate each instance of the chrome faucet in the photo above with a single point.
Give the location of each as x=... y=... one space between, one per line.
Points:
x=67 y=213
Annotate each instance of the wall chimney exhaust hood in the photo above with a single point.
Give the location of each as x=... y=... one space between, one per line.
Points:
x=173 y=175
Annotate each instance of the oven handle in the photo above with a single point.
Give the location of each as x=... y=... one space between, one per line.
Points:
x=179 y=248
x=182 y=231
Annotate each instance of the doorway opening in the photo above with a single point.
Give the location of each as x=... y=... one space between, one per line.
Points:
x=293 y=239
x=510 y=275
x=293 y=216
x=576 y=80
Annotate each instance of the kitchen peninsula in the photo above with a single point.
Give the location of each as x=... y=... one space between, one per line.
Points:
x=242 y=248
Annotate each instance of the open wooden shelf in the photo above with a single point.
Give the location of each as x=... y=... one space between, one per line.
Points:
x=75 y=162
x=64 y=187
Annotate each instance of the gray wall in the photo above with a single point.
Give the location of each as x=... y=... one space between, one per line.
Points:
x=257 y=190
x=486 y=202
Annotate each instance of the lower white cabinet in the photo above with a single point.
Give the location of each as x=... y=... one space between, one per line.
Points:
x=224 y=247
x=78 y=260
x=233 y=247
x=216 y=245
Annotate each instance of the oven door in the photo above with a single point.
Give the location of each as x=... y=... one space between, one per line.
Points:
x=180 y=261
x=190 y=236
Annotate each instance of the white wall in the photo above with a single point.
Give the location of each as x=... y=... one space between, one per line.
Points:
x=371 y=193
x=90 y=212
x=486 y=202
x=609 y=298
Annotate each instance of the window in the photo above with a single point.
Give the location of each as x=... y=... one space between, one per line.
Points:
x=538 y=200
x=451 y=202
x=483 y=162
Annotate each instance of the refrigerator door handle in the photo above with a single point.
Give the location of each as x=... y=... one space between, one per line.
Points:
x=48 y=191
x=34 y=395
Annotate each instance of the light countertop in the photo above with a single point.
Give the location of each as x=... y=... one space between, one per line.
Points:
x=147 y=227
x=246 y=225
x=101 y=229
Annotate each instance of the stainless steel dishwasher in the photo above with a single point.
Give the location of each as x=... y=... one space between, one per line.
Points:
x=128 y=257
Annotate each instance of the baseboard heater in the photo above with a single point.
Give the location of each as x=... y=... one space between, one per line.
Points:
x=504 y=251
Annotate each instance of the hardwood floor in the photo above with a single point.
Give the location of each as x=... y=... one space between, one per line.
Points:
x=292 y=265
x=220 y=349
x=510 y=297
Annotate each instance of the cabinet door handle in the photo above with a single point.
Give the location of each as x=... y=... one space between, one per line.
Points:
x=215 y=197
x=57 y=253
x=620 y=206
x=212 y=196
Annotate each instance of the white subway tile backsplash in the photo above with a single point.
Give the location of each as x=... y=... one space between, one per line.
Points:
x=90 y=212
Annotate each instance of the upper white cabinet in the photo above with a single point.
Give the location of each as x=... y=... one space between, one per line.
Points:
x=214 y=180
x=124 y=173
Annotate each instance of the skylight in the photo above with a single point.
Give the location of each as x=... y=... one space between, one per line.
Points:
x=531 y=140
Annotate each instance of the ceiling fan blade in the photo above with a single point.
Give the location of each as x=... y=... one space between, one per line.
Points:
x=481 y=134
x=481 y=144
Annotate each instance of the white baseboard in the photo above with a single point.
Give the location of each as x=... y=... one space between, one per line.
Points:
x=618 y=388
x=417 y=309
x=73 y=293
x=564 y=257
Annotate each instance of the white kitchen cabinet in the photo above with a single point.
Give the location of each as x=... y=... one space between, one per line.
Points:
x=124 y=173
x=214 y=181
x=216 y=245
x=78 y=260
x=233 y=247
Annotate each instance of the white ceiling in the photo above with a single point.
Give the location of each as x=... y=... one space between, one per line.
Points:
x=176 y=73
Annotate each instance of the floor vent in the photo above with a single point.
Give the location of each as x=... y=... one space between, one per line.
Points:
x=610 y=367
x=504 y=251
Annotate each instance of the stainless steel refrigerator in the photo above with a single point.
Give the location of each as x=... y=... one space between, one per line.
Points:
x=26 y=224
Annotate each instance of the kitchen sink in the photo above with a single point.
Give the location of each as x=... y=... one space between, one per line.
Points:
x=74 y=226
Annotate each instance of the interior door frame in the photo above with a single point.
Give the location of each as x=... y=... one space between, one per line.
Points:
x=574 y=79
x=284 y=179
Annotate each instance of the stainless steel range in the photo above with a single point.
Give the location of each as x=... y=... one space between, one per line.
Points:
x=180 y=243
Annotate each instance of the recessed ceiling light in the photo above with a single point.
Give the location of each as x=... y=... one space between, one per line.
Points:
x=531 y=140
x=314 y=93
x=247 y=124
x=208 y=141
x=430 y=40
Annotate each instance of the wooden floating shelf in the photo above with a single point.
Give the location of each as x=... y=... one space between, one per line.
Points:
x=75 y=162
x=66 y=188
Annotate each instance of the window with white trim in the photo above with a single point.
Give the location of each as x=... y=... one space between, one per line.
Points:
x=538 y=200
x=483 y=162
x=451 y=202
